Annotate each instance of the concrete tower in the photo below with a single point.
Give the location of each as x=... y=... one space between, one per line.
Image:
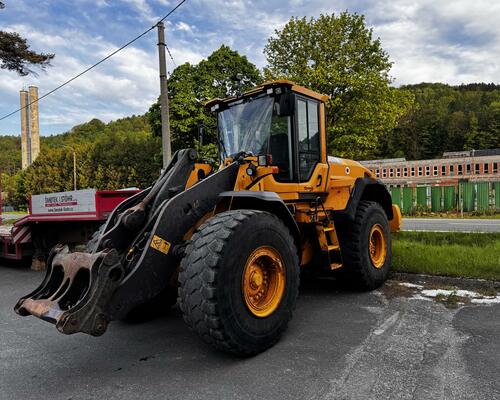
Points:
x=30 y=128
x=34 y=124
x=25 y=140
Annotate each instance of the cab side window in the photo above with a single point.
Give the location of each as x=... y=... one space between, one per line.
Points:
x=308 y=137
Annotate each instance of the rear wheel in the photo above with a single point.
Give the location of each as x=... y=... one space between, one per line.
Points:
x=239 y=281
x=366 y=247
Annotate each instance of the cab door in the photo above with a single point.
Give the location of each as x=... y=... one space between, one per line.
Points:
x=311 y=166
x=305 y=174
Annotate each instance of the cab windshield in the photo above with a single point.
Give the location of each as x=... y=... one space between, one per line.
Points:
x=246 y=126
x=253 y=126
x=262 y=125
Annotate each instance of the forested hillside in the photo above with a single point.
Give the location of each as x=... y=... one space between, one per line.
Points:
x=446 y=118
x=119 y=154
x=10 y=154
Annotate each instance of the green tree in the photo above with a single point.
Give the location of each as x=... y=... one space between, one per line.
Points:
x=493 y=122
x=190 y=86
x=10 y=154
x=337 y=55
x=15 y=54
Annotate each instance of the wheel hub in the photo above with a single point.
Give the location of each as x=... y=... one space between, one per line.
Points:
x=263 y=281
x=377 y=246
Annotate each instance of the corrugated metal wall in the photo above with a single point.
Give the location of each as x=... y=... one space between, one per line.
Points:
x=436 y=198
x=396 y=195
x=497 y=195
x=422 y=196
x=408 y=196
x=483 y=196
x=467 y=196
x=450 y=198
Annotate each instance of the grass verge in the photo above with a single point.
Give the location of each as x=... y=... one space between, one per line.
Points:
x=470 y=255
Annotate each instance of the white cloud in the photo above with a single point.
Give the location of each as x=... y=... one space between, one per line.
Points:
x=451 y=42
x=143 y=8
x=182 y=26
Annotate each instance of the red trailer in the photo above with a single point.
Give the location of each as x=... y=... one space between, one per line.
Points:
x=65 y=217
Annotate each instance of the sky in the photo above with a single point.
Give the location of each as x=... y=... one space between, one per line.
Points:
x=427 y=40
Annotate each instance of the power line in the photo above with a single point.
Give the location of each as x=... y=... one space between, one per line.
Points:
x=99 y=62
x=170 y=54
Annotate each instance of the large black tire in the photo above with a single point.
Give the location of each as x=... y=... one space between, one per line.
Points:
x=210 y=292
x=359 y=271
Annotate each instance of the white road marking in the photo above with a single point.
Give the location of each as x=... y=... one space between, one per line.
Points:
x=386 y=324
x=493 y=223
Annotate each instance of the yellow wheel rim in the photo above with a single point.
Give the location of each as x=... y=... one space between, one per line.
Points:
x=378 y=247
x=263 y=281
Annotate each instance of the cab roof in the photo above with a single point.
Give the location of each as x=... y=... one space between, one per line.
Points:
x=272 y=84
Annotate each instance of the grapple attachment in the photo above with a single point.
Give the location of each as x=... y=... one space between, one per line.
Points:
x=76 y=289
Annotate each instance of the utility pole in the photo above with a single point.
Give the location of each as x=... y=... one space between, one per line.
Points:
x=74 y=168
x=165 y=122
x=74 y=165
x=1 y=203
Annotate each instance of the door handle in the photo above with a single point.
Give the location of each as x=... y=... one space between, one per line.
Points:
x=320 y=180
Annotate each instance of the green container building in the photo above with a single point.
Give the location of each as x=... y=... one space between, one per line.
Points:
x=422 y=196
x=407 y=200
x=396 y=195
x=497 y=195
x=449 y=198
x=483 y=196
x=467 y=192
x=436 y=198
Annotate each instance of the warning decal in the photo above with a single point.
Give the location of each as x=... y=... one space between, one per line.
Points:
x=160 y=244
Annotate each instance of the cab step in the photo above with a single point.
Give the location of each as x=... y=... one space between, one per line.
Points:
x=329 y=244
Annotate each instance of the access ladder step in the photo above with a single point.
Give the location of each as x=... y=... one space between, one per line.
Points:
x=335 y=265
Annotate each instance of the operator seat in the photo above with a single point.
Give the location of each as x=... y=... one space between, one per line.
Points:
x=278 y=148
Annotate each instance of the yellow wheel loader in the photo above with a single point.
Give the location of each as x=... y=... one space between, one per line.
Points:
x=229 y=244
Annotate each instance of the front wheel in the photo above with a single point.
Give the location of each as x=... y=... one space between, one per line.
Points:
x=239 y=281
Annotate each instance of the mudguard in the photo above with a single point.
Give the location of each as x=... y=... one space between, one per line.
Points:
x=367 y=189
x=265 y=201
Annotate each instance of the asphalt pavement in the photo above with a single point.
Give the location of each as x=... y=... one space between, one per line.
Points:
x=451 y=224
x=340 y=345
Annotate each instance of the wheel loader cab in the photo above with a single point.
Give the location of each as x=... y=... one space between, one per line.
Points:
x=278 y=123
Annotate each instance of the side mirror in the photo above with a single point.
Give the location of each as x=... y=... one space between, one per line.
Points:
x=286 y=105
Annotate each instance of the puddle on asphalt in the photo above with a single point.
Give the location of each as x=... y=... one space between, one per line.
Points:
x=450 y=296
